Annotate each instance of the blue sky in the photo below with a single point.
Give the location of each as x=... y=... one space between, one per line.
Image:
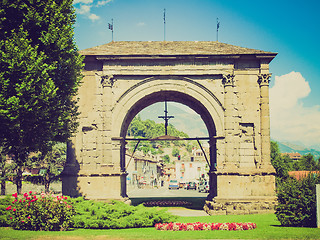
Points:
x=290 y=28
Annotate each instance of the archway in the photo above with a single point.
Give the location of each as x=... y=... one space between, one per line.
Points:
x=182 y=90
x=182 y=98
x=227 y=85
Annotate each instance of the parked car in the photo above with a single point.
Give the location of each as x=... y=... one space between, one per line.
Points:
x=173 y=184
x=192 y=185
x=182 y=184
x=203 y=186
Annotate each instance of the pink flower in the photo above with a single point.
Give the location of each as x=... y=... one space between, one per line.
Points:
x=28 y=217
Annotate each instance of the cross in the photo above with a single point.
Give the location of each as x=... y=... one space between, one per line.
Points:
x=166 y=118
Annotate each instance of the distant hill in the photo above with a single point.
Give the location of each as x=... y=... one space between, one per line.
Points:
x=287 y=147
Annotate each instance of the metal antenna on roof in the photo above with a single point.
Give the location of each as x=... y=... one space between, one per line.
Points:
x=164 y=24
x=218 y=25
x=110 y=26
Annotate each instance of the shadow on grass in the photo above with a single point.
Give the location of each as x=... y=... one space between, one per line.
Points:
x=196 y=203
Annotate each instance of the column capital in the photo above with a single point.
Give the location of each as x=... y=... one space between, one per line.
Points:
x=106 y=80
x=264 y=79
x=227 y=79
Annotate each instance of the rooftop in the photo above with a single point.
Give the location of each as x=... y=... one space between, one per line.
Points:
x=167 y=48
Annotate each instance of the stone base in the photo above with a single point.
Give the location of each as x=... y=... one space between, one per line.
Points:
x=98 y=187
x=240 y=206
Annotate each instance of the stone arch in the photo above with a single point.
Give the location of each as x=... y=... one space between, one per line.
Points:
x=227 y=85
x=184 y=91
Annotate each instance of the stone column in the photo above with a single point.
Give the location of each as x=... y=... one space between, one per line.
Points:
x=263 y=80
x=229 y=120
x=213 y=168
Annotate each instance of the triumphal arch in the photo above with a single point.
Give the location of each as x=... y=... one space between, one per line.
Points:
x=228 y=86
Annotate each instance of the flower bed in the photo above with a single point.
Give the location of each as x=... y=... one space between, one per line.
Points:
x=205 y=226
x=166 y=203
x=40 y=212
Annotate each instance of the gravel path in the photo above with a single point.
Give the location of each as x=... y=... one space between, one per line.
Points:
x=187 y=212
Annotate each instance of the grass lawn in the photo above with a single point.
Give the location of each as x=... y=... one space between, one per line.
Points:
x=267 y=228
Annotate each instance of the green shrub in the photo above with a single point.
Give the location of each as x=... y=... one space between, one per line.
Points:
x=42 y=212
x=116 y=215
x=4 y=214
x=297 y=201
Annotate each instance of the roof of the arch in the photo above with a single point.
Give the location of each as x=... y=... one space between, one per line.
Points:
x=167 y=48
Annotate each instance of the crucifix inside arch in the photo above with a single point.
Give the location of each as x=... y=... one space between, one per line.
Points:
x=166 y=117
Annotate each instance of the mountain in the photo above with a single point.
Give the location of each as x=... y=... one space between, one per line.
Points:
x=287 y=147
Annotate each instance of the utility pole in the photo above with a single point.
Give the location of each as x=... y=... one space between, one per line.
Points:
x=110 y=26
x=164 y=24
x=218 y=25
x=166 y=117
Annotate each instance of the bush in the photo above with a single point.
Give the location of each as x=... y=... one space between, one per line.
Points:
x=297 y=201
x=116 y=215
x=4 y=214
x=44 y=212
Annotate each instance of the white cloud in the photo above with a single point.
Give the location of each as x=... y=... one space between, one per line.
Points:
x=103 y=2
x=86 y=10
x=290 y=119
x=93 y=17
x=141 y=24
x=82 y=1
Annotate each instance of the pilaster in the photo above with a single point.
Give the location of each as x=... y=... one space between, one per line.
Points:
x=229 y=122
x=263 y=80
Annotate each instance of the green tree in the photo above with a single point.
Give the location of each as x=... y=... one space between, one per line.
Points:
x=166 y=158
x=306 y=163
x=297 y=201
x=175 y=152
x=5 y=169
x=40 y=70
x=278 y=162
x=52 y=161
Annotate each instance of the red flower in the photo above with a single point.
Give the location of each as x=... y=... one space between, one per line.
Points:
x=10 y=217
x=28 y=217
x=15 y=195
x=8 y=208
x=30 y=192
x=14 y=209
x=25 y=194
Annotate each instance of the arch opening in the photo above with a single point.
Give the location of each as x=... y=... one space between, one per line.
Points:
x=192 y=103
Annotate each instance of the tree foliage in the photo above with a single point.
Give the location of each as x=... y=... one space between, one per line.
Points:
x=39 y=75
x=297 y=201
x=52 y=162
